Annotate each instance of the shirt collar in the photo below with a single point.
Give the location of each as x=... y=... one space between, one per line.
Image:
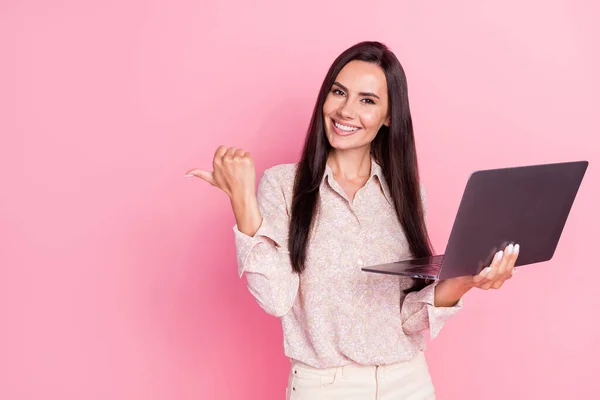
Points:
x=375 y=171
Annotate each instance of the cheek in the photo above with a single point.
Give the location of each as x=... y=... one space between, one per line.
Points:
x=329 y=106
x=372 y=119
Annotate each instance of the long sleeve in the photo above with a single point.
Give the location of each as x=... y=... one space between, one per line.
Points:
x=264 y=258
x=418 y=310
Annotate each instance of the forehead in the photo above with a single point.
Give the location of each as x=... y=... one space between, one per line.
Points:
x=362 y=76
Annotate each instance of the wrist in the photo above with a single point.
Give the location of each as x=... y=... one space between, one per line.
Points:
x=460 y=284
x=243 y=200
x=450 y=291
x=247 y=214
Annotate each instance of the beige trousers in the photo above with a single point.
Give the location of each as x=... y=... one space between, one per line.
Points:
x=409 y=380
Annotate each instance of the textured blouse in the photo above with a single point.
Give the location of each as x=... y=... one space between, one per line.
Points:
x=334 y=314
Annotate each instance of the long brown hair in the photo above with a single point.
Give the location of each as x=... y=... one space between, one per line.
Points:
x=393 y=148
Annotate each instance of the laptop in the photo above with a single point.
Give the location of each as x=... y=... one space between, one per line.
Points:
x=528 y=205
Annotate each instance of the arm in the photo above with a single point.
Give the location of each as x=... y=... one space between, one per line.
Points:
x=261 y=228
x=261 y=234
x=449 y=292
x=431 y=307
x=420 y=312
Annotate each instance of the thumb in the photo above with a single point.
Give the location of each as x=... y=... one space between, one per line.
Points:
x=202 y=174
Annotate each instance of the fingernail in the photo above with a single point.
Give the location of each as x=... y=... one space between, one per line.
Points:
x=189 y=176
x=517 y=247
x=509 y=249
x=499 y=255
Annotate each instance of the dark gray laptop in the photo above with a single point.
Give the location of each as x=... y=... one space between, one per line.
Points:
x=527 y=205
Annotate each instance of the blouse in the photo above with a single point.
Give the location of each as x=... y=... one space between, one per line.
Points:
x=334 y=314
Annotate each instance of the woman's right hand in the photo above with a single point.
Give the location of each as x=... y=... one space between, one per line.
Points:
x=233 y=172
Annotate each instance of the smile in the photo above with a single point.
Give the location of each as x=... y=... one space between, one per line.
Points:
x=344 y=127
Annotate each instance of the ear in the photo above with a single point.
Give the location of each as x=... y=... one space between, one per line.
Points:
x=387 y=122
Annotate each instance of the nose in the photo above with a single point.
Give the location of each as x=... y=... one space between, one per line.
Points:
x=346 y=111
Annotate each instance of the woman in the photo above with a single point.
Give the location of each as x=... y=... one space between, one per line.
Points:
x=353 y=199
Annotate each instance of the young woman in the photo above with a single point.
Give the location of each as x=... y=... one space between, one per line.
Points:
x=353 y=199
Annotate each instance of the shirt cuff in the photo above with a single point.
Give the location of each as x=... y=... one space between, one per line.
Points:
x=245 y=244
x=437 y=316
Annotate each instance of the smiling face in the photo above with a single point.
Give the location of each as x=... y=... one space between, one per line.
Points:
x=356 y=106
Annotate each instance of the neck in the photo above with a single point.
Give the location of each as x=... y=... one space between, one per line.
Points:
x=351 y=163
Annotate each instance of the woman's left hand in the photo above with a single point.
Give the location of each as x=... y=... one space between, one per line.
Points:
x=494 y=276
x=449 y=291
x=501 y=269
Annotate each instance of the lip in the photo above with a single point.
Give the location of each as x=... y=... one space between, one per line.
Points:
x=341 y=132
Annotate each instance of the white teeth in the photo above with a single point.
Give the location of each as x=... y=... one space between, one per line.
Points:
x=345 y=128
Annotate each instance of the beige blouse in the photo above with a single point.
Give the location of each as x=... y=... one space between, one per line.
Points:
x=334 y=313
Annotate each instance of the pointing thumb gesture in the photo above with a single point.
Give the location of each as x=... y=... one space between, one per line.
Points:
x=202 y=174
x=233 y=172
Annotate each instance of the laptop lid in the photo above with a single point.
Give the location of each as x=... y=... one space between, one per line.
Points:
x=528 y=205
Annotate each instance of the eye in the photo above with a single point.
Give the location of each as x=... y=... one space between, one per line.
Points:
x=338 y=92
x=369 y=101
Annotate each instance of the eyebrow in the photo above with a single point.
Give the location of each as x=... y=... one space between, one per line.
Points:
x=369 y=94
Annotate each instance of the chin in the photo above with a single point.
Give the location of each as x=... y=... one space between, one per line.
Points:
x=341 y=144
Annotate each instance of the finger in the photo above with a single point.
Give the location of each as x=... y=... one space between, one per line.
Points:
x=508 y=256
x=481 y=277
x=248 y=158
x=481 y=282
x=493 y=268
x=497 y=259
x=228 y=157
x=514 y=257
x=495 y=262
x=239 y=153
x=511 y=260
x=219 y=153
x=506 y=268
x=511 y=272
x=202 y=174
x=498 y=284
x=500 y=273
x=478 y=279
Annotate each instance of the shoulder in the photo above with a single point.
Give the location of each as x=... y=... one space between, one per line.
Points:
x=279 y=177
x=281 y=172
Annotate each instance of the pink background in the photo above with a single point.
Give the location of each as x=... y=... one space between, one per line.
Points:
x=118 y=276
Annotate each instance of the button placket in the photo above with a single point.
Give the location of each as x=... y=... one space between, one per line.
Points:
x=358 y=232
x=294 y=380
